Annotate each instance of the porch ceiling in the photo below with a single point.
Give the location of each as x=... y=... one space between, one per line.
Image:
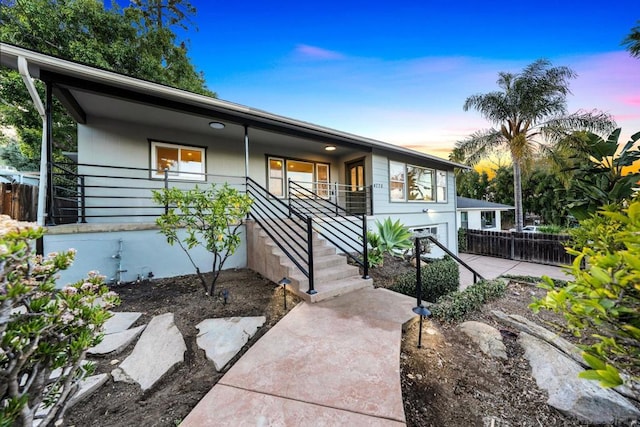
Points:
x=98 y=105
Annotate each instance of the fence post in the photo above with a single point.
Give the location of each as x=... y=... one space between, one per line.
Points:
x=513 y=246
x=365 y=249
x=83 y=206
x=166 y=187
x=311 y=290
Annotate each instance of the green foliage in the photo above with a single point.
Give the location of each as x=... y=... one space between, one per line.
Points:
x=605 y=297
x=472 y=184
x=462 y=239
x=439 y=277
x=43 y=328
x=529 y=105
x=211 y=219
x=599 y=172
x=455 y=306
x=390 y=238
x=551 y=229
x=84 y=31
x=632 y=41
x=533 y=279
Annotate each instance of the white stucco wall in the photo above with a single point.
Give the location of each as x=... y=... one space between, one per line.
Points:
x=475 y=219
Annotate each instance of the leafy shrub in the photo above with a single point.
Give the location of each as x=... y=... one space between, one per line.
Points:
x=211 y=219
x=462 y=239
x=605 y=297
x=455 y=306
x=390 y=238
x=439 y=278
x=551 y=229
x=43 y=328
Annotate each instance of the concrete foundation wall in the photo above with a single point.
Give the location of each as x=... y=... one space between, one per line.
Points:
x=144 y=251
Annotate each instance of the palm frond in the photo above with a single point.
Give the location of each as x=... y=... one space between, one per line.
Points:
x=479 y=145
x=561 y=128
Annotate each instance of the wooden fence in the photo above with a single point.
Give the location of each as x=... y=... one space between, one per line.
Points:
x=533 y=247
x=19 y=201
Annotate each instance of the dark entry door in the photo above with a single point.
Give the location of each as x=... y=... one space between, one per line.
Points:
x=356 y=188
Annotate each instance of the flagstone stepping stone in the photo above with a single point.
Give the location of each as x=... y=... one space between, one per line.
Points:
x=221 y=339
x=120 y=321
x=116 y=342
x=488 y=338
x=160 y=347
x=87 y=386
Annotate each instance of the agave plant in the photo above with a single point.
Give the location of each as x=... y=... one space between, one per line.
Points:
x=391 y=238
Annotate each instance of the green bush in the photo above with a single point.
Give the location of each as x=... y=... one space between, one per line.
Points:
x=391 y=237
x=455 y=306
x=551 y=229
x=439 y=278
x=43 y=328
x=462 y=239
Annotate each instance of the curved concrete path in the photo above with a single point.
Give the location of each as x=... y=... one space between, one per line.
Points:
x=336 y=362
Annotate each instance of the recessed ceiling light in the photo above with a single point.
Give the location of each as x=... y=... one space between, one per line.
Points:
x=330 y=148
x=216 y=125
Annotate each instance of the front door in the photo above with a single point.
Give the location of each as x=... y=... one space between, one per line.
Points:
x=356 y=188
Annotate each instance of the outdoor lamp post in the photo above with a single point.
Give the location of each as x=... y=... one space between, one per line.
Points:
x=419 y=309
x=284 y=282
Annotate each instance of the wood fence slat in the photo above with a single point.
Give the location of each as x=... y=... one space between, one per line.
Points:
x=19 y=201
x=532 y=247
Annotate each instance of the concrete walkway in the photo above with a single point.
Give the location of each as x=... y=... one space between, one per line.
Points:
x=490 y=268
x=335 y=362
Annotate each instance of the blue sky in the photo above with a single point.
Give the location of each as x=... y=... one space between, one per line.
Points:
x=400 y=71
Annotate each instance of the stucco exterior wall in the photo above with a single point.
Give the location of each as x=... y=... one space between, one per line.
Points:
x=475 y=220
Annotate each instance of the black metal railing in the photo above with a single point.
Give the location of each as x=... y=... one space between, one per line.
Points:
x=344 y=229
x=83 y=192
x=435 y=241
x=334 y=198
x=290 y=230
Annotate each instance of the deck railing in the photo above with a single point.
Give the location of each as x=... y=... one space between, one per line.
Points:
x=84 y=192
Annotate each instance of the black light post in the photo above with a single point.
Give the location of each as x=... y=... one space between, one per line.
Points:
x=284 y=282
x=420 y=309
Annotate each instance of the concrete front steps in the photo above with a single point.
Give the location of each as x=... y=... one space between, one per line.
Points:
x=332 y=275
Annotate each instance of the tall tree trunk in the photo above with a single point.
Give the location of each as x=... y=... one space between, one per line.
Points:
x=517 y=193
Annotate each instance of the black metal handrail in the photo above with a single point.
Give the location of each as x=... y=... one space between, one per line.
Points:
x=291 y=231
x=346 y=231
x=435 y=241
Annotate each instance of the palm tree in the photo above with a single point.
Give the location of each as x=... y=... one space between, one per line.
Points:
x=529 y=109
x=632 y=41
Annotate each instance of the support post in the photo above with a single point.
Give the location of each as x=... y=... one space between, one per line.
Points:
x=365 y=249
x=166 y=187
x=420 y=309
x=83 y=202
x=50 y=194
x=311 y=290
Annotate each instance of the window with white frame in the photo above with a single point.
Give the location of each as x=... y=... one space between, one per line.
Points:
x=310 y=175
x=182 y=161
x=488 y=219
x=416 y=183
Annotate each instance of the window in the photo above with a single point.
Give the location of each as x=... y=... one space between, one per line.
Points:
x=488 y=219
x=183 y=162
x=464 y=220
x=396 y=181
x=441 y=186
x=416 y=183
x=310 y=175
x=420 y=183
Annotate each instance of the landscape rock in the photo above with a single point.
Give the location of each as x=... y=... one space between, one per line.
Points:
x=120 y=321
x=488 y=338
x=160 y=347
x=583 y=399
x=221 y=339
x=87 y=386
x=116 y=342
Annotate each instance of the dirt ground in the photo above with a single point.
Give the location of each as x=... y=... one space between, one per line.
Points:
x=447 y=382
x=169 y=401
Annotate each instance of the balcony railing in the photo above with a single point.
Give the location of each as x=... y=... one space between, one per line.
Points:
x=97 y=193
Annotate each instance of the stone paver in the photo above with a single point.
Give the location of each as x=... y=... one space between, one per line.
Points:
x=571 y=395
x=116 y=342
x=222 y=339
x=87 y=386
x=337 y=359
x=487 y=337
x=158 y=350
x=120 y=321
